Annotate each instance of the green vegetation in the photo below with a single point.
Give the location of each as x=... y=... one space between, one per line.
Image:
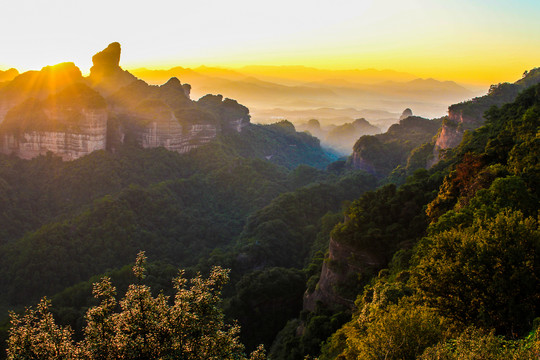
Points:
x=92 y=215
x=189 y=325
x=498 y=95
x=469 y=287
x=444 y=266
x=381 y=154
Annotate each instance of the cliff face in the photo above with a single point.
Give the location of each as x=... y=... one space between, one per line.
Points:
x=457 y=116
x=452 y=131
x=71 y=124
x=58 y=110
x=360 y=163
x=449 y=137
x=469 y=115
x=69 y=145
x=175 y=137
x=342 y=262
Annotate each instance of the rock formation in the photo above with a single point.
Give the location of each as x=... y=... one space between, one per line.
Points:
x=8 y=75
x=405 y=114
x=106 y=75
x=469 y=115
x=380 y=154
x=343 y=260
x=37 y=84
x=71 y=124
x=58 y=110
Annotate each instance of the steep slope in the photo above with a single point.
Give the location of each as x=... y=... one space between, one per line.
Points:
x=381 y=154
x=469 y=115
x=71 y=123
x=37 y=115
x=8 y=75
x=442 y=283
x=343 y=137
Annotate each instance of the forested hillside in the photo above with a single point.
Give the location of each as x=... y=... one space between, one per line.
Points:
x=325 y=261
x=463 y=282
x=64 y=223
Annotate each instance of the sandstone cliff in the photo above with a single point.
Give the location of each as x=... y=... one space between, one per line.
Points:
x=71 y=124
x=343 y=262
x=58 y=110
x=38 y=85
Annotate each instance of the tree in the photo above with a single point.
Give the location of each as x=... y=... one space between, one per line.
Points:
x=140 y=326
x=487 y=274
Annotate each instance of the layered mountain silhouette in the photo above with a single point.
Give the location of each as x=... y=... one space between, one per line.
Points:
x=305 y=90
x=57 y=109
x=340 y=137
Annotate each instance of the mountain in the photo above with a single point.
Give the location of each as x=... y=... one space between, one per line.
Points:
x=408 y=272
x=8 y=75
x=326 y=260
x=247 y=89
x=381 y=154
x=58 y=110
x=470 y=115
x=307 y=74
x=302 y=89
x=341 y=137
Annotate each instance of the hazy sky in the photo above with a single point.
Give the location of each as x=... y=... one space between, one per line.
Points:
x=475 y=41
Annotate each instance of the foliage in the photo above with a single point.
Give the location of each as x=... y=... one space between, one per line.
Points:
x=474 y=344
x=477 y=264
x=381 y=220
x=498 y=95
x=263 y=301
x=381 y=154
x=145 y=327
x=282 y=233
x=464 y=273
x=388 y=326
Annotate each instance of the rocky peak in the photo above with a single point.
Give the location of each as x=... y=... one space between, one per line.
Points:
x=106 y=75
x=173 y=83
x=314 y=124
x=187 y=89
x=107 y=60
x=8 y=75
x=469 y=115
x=405 y=114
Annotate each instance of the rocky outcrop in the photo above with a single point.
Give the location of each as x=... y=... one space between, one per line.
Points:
x=342 y=261
x=67 y=144
x=71 y=124
x=106 y=75
x=380 y=154
x=8 y=75
x=175 y=137
x=405 y=114
x=449 y=137
x=58 y=110
x=357 y=161
x=469 y=115
x=458 y=117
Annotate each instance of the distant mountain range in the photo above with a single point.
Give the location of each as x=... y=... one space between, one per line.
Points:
x=306 y=90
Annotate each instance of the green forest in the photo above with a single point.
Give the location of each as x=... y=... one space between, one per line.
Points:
x=294 y=256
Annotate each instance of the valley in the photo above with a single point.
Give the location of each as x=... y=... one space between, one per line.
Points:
x=349 y=229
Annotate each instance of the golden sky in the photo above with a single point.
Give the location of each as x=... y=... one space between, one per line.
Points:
x=470 y=41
